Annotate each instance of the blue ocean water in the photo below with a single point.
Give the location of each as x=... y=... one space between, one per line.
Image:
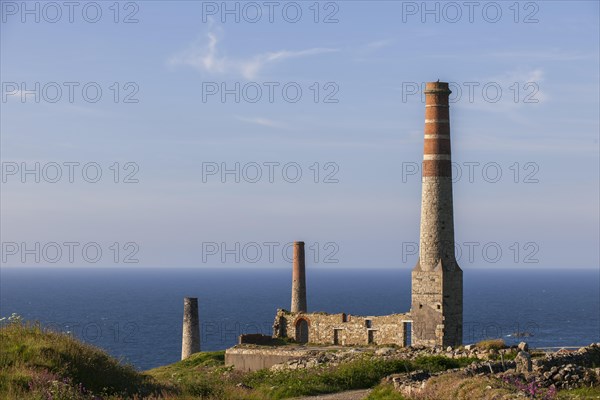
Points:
x=136 y=314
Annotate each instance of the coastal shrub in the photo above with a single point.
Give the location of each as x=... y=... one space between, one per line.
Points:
x=531 y=387
x=385 y=392
x=490 y=344
x=507 y=355
x=440 y=363
x=206 y=359
x=580 y=393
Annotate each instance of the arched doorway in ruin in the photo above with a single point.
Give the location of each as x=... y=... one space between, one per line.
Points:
x=302 y=330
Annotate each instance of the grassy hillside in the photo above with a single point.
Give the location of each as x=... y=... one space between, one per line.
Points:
x=203 y=374
x=42 y=365
x=38 y=364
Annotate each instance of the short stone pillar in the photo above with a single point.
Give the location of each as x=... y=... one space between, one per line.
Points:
x=190 y=341
x=523 y=359
x=298 y=279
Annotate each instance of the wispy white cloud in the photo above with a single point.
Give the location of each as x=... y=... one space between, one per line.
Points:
x=210 y=61
x=206 y=56
x=508 y=92
x=370 y=51
x=262 y=121
x=251 y=68
x=378 y=44
x=523 y=77
x=202 y=55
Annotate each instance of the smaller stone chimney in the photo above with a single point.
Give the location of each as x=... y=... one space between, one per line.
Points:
x=298 y=279
x=190 y=342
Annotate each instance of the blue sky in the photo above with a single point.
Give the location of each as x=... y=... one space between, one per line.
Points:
x=368 y=63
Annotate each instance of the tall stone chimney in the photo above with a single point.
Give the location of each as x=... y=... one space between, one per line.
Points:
x=190 y=341
x=437 y=298
x=298 y=279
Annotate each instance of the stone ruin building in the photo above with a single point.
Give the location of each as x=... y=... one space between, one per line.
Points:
x=436 y=314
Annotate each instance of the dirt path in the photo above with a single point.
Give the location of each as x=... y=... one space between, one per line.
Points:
x=352 y=395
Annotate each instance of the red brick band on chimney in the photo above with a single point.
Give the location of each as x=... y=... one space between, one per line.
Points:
x=436 y=152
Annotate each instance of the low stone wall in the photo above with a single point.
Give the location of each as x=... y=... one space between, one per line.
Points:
x=253 y=359
x=586 y=357
x=256 y=338
x=569 y=369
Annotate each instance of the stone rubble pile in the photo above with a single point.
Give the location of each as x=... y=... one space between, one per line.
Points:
x=562 y=369
x=568 y=370
x=315 y=358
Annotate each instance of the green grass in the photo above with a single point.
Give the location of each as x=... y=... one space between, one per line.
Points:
x=38 y=363
x=490 y=344
x=202 y=375
x=509 y=356
x=204 y=359
x=385 y=392
x=440 y=363
x=362 y=373
x=581 y=393
x=359 y=374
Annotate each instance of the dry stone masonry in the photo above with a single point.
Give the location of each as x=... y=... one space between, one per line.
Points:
x=342 y=329
x=190 y=342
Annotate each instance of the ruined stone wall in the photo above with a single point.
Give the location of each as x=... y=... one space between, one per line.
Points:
x=256 y=338
x=342 y=329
